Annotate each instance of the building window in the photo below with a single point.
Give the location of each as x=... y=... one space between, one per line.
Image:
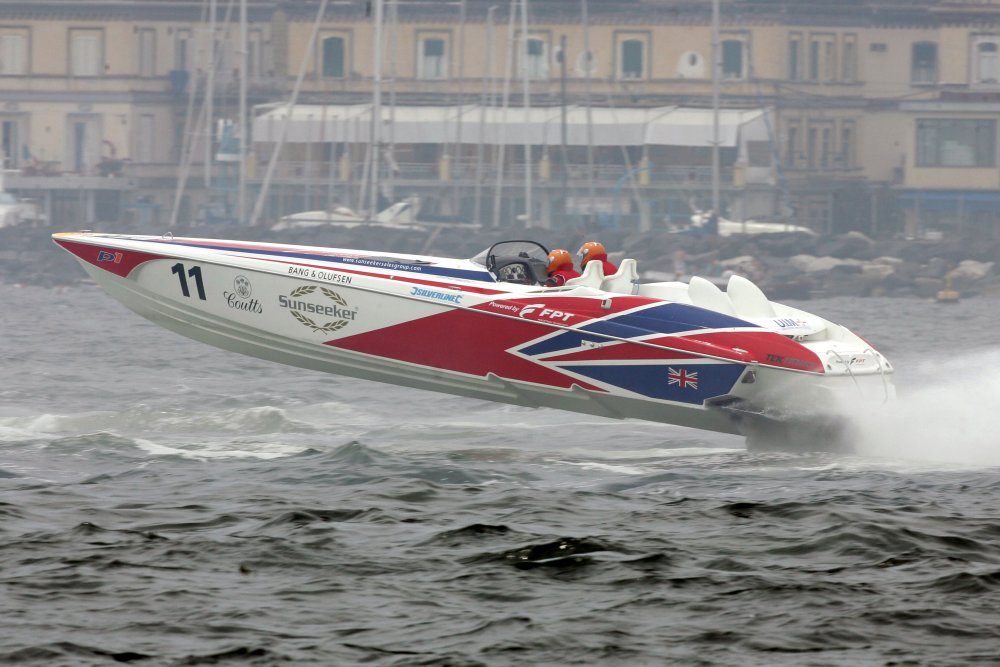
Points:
x=825 y=146
x=986 y=61
x=795 y=56
x=847 y=144
x=848 y=58
x=83 y=143
x=255 y=54
x=85 y=52
x=923 y=68
x=632 y=61
x=145 y=152
x=11 y=132
x=819 y=145
x=956 y=143
x=13 y=51
x=182 y=49
x=812 y=146
x=432 y=64
x=333 y=58
x=822 y=57
x=792 y=147
x=732 y=59
x=535 y=64
x=147 y=52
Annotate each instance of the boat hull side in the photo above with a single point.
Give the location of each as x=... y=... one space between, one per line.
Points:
x=256 y=334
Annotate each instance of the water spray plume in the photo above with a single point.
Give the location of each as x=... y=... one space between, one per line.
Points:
x=948 y=413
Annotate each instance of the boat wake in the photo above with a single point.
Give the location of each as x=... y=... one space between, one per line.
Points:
x=943 y=416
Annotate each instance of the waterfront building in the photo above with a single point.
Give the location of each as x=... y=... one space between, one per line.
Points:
x=876 y=115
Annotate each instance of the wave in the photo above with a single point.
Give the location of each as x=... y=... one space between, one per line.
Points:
x=143 y=418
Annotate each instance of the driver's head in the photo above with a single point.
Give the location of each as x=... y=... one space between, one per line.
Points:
x=559 y=258
x=591 y=250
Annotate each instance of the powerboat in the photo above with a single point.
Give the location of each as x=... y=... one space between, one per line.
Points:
x=400 y=215
x=487 y=327
x=724 y=227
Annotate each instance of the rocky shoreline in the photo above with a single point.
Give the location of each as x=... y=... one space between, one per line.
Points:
x=786 y=266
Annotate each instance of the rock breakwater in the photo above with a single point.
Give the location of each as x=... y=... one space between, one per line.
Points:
x=786 y=266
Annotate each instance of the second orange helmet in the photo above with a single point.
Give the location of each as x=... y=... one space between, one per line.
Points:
x=589 y=250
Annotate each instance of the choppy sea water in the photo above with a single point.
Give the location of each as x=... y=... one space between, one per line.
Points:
x=166 y=503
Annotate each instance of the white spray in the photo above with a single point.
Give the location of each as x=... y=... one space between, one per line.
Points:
x=947 y=411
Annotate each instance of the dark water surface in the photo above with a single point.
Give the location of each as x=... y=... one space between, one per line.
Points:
x=165 y=503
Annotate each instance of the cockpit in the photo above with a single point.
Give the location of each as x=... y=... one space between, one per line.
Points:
x=518 y=262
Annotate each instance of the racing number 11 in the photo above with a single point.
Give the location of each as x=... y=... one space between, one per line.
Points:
x=194 y=272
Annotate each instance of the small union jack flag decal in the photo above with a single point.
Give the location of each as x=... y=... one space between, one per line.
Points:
x=682 y=378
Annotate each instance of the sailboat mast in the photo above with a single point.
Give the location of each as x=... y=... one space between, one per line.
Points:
x=244 y=130
x=393 y=72
x=487 y=97
x=502 y=145
x=210 y=87
x=376 y=128
x=588 y=59
x=716 y=72
x=265 y=184
x=528 y=213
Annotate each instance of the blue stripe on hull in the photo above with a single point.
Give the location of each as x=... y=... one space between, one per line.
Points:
x=693 y=383
x=667 y=318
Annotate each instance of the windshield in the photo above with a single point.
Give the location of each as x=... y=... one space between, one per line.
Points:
x=520 y=262
x=506 y=251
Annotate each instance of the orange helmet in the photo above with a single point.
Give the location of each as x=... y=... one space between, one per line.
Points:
x=589 y=250
x=557 y=258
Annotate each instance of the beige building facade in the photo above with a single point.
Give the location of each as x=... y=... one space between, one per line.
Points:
x=882 y=116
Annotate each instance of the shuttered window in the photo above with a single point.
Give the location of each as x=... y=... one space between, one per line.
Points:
x=13 y=53
x=85 y=53
x=632 y=59
x=333 y=58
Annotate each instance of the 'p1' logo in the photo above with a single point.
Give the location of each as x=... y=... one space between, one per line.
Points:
x=105 y=256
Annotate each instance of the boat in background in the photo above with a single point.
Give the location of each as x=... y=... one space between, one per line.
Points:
x=701 y=223
x=14 y=211
x=486 y=327
x=401 y=215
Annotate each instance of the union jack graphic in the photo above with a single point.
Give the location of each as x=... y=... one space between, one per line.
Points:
x=682 y=378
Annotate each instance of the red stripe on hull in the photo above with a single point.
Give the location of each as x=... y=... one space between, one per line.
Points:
x=465 y=342
x=764 y=347
x=564 y=311
x=112 y=260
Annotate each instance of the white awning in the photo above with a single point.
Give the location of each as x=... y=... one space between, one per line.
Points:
x=538 y=126
x=314 y=123
x=695 y=127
